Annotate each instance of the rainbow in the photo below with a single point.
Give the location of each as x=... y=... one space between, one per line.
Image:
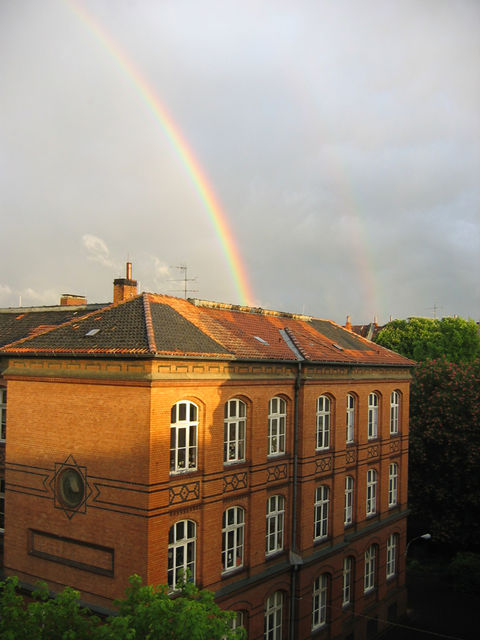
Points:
x=207 y=195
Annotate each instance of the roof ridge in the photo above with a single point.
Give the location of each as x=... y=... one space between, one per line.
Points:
x=152 y=347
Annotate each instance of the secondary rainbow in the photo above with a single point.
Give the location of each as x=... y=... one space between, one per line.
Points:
x=210 y=201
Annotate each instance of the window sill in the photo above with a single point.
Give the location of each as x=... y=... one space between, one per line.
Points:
x=227 y=573
x=183 y=472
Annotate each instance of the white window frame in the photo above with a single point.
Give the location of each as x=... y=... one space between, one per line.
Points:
x=394 y=412
x=321 y=507
x=348 y=511
x=373 y=404
x=371 y=502
x=275 y=524
x=393 y=484
x=3 y=414
x=324 y=416
x=233 y=538
x=370 y=567
x=183 y=437
x=274 y=616
x=277 y=417
x=319 y=604
x=350 y=418
x=238 y=621
x=235 y=424
x=347 y=581
x=392 y=550
x=182 y=543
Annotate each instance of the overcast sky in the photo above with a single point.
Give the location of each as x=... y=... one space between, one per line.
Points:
x=341 y=138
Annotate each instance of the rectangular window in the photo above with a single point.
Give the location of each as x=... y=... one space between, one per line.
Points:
x=392 y=544
x=234 y=431
x=2 y=505
x=348 y=516
x=321 y=513
x=372 y=416
x=369 y=577
x=394 y=411
x=347 y=581
x=393 y=485
x=350 y=418
x=320 y=592
x=3 y=414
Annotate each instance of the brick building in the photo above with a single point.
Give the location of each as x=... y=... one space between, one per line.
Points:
x=265 y=452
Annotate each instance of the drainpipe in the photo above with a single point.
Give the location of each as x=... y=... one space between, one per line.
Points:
x=295 y=559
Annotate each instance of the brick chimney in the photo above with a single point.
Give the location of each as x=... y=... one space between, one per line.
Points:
x=71 y=300
x=348 y=324
x=124 y=288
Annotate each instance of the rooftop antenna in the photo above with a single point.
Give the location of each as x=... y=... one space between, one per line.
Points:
x=185 y=280
x=435 y=308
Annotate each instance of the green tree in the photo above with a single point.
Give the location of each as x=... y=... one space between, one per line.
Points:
x=444 y=480
x=147 y=613
x=420 y=339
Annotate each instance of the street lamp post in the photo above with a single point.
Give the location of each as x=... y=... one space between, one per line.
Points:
x=424 y=536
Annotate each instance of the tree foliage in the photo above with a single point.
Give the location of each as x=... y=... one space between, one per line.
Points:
x=420 y=339
x=147 y=613
x=444 y=480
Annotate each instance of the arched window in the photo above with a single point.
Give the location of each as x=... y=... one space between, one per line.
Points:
x=277 y=415
x=234 y=431
x=393 y=484
x=320 y=595
x=350 y=418
x=233 y=535
x=370 y=567
x=372 y=415
x=323 y=422
x=322 y=498
x=348 y=515
x=347 y=581
x=371 y=492
x=394 y=412
x=273 y=616
x=238 y=621
x=275 y=523
x=392 y=551
x=183 y=437
x=181 y=552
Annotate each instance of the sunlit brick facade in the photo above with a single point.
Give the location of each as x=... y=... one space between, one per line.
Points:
x=266 y=453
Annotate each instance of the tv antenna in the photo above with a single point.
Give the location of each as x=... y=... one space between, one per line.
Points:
x=185 y=280
x=435 y=308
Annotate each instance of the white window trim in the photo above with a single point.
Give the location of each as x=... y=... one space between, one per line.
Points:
x=321 y=508
x=347 y=580
x=370 y=566
x=275 y=524
x=392 y=548
x=188 y=544
x=319 y=605
x=233 y=539
x=393 y=484
x=350 y=437
x=277 y=426
x=323 y=422
x=273 y=616
x=373 y=404
x=394 y=412
x=235 y=431
x=371 y=503
x=184 y=458
x=348 y=511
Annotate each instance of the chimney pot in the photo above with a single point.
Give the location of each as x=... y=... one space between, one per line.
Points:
x=124 y=288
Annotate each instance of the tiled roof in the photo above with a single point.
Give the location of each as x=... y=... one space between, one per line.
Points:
x=157 y=325
x=22 y=322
